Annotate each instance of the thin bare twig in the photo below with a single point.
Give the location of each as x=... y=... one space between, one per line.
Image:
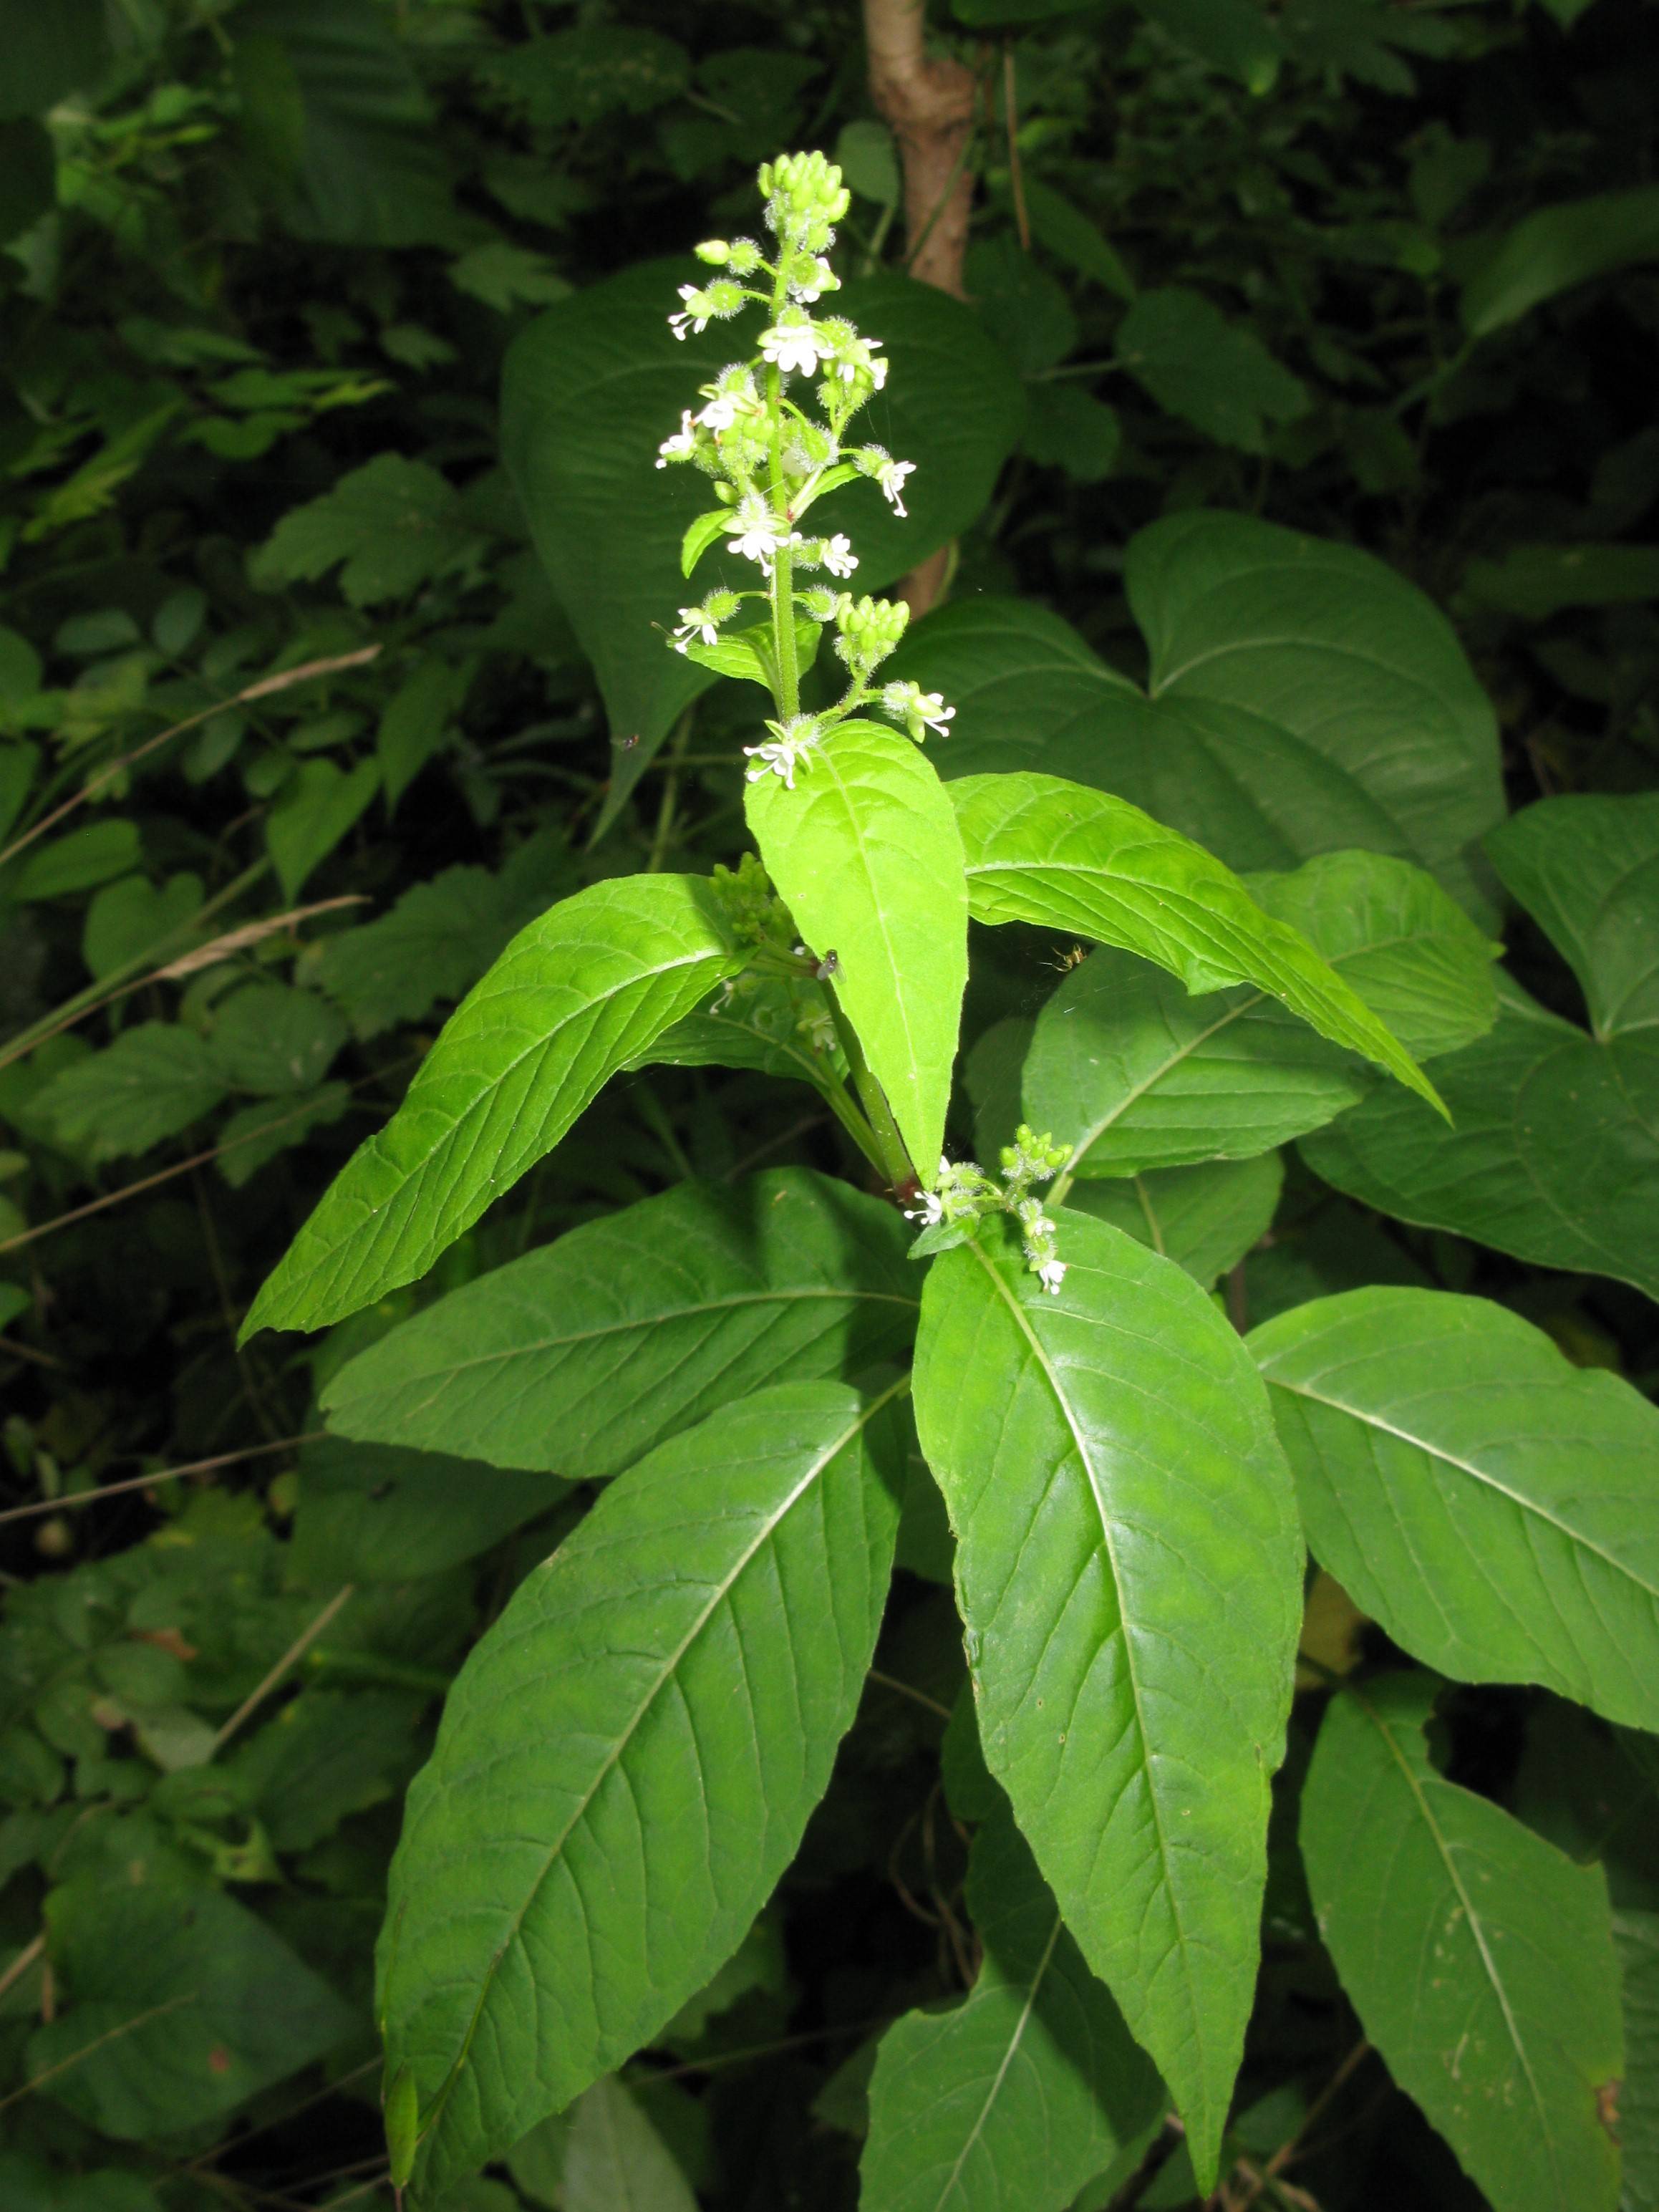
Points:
x=262 y=689
x=77 y=1498
x=296 y=1651
x=20 y=1964
x=1015 y=172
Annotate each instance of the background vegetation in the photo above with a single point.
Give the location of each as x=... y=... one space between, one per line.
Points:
x=1329 y=265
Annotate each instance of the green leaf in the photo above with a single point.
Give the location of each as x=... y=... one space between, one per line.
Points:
x=1552 y=1154
x=371 y=1513
x=415 y=723
x=317 y=808
x=1587 y=870
x=1233 y=36
x=615 y=2161
x=1636 y=1939
x=1070 y=235
x=596 y=384
x=701 y=534
x=128 y=917
x=580 y=1357
x=1042 y=850
x=1213 y=373
x=1107 y=1459
x=396 y=524
x=766 y=1023
x=1480 y=1959
x=255 y=1135
x=152 y=1083
x=1494 y=1507
x=342 y=124
x=1204 y=1217
x=1556 y=247
x=575 y=996
x=89 y=855
x=865 y=853
x=182 y=2006
x=590 y=70
x=1303 y=699
x=628 y=1759
x=1024 y=2091
x=324 y=1756
x=1536 y=581
x=271 y=1038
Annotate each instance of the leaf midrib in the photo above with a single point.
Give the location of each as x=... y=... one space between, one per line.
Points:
x=722 y=1590
x=995 y=2089
x=1131 y=1669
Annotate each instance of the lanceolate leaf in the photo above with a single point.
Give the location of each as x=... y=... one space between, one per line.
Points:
x=1494 y=1507
x=1039 y=849
x=1026 y=2089
x=581 y=1356
x=1133 y=1073
x=1587 y=869
x=628 y=1759
x=1552 y=1154
x=574 y=998
x=1128 y=1566
x=865 y=853
x=1480 y=1959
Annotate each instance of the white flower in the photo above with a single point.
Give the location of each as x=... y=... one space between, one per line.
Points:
x=878 y=371
x=807 y=288
x=930 y=1212
x=755 y=532
x=681 y=445
x=1052 y=1273
x=698 y=317
x=791 y=346
x=721 y=413
x=890 y=476
x=838 y=557
x=695 y=623
x=932 y=711
x=795 y=740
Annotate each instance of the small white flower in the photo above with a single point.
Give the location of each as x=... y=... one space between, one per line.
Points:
x=696 y=317
x=933 y=712
x=808 y=288
x=930 y=1212
x=838 y=557
x=878 y=372
x=791 y=346
x=1052 y=1273
x=695 y=624
x=755 y=532
x=795 y=740
x=721 y=413
x=681 y=445
x=890 y=476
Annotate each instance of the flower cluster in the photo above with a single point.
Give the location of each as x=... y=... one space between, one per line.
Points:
x=966 y=1195
x=770 y=454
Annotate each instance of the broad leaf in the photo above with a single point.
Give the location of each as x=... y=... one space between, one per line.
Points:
x=1107 y=1459
x=1038 y=849
x=574 y=997
x=396 y=524
x=1552 y=1154
x=312 y=814
x=182 y=2005
x=1301 y=698
x=1494 y=1507
x=865 y=853
x=1027 y=2089
x=1205 y=1218
x=1480 y=1959
x=597 y=383
x=371 y=1513
x=1215 y=374
x=581 y=1356
x=773 y=1025
x=615 y=2161
x=1134 y=1073
x=1556 y=247
x=1587 y=869
x=152 y=1083
x=628 y=1759
x=1636 y=1939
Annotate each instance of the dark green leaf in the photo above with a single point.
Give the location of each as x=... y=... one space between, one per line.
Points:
x=396 y=524
x=628 y=1759
x=77 y=860
x=615 y=2161
x=273 y=1039
x=1556 y=247
x=154 y=1081
x=1587 y=869
x=580 y=1357
x=317 y=808
x=1025 y=2089
x=1480 y=1960
x=1214 y=374
x=1204 y=1217
x=1108 y=1461
x=371 y=1513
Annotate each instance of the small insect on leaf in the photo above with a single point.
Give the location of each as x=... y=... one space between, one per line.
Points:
x=1073 y=956
x=626 y=744
x=827 y=967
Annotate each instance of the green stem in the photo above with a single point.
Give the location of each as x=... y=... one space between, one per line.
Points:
x=836 y=1097
x=783 y=627
x=895 y=1161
